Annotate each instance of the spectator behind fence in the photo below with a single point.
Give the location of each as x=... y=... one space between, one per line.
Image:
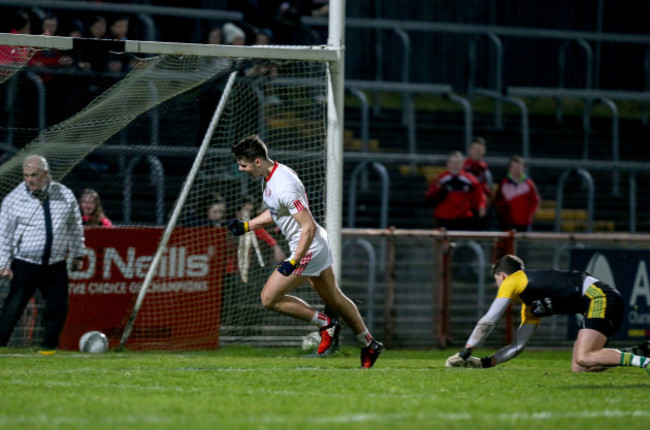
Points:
x=263 y=36
x=20 y=23
x=40 y=225
x=92 y=212
x=47 y=57
x=233 y=35
x=77 y=28
x=118 y=30
x=476 y=165
x=11 y=56
x=215 y=36
x=216 y=213
x=95 y=59
x=97 y=28
x=262 y=67
x=516 y=198
x=457 y=196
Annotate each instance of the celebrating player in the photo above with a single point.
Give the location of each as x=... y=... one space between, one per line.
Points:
x=548 y=292
x=310 y=259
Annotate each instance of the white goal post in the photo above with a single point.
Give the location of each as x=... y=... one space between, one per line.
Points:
x=293 y=95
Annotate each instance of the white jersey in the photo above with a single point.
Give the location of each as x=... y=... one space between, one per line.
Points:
x=22 y=225
x=284 y=196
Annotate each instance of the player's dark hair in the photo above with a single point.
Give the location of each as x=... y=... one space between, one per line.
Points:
x=250 y=148
x=507 y=264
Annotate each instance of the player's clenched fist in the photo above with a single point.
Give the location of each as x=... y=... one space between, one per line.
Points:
x=237 y=227
x=287 y=267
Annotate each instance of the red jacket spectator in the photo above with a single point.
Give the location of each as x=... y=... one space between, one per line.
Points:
x=457 y=195
x=481 y=172
x=475 y=165
x=516 y=199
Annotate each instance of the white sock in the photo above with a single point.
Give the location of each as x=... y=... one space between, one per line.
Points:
x=320 y=319
x=364 y=338
x=639 y=361
x=629 y=359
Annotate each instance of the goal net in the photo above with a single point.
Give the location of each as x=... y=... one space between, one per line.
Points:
x=148 y=127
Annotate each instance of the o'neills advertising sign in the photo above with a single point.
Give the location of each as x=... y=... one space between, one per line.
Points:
x=183 y=303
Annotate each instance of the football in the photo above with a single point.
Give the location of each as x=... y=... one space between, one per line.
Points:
x=93 y=341
x=311 y=341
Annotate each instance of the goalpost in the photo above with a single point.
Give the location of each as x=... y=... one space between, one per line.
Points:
x=154 y=142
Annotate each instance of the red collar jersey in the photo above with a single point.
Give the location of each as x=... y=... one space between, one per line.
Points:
x=516 y=202
x=456 y=196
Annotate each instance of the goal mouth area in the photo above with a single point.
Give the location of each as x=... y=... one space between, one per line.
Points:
x=132 y=135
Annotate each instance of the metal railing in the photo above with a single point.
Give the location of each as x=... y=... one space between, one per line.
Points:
x=408 y=90
x=559 y=199
x=385 y=192
x=591 y=98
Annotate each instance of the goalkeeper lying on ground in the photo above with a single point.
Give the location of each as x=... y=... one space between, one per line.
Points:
x=548 y=292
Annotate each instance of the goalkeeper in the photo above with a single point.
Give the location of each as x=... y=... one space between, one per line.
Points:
x=311 y=258
x=548 y=292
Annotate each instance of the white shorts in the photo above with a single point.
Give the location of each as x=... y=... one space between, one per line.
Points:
x=314 y=262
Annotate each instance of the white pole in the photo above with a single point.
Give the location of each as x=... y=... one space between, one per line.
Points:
x=162 y=246
x=334 y=200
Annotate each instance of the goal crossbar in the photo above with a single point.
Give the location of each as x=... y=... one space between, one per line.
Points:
x=309 y=53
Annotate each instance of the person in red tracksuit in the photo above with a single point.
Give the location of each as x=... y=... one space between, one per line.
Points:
x=458 y=197
x=516 y=199
x=476 y=165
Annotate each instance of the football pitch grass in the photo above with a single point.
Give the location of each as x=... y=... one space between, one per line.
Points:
x=246 y=388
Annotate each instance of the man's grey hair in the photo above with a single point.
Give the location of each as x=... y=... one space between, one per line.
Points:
x=38 y=160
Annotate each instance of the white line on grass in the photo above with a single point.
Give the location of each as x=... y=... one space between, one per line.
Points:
x=49 y=421
x=463 y=416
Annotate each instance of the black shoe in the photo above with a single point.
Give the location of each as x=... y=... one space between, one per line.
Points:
x=370 y=353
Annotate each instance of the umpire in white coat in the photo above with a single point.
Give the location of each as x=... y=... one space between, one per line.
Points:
x=40 y=225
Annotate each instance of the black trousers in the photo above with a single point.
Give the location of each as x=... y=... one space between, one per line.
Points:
x=52 y=281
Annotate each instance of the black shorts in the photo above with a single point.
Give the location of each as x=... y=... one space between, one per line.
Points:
x=604 y=312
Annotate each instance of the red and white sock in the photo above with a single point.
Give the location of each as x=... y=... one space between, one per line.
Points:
x=320 y=319
x=364 y=338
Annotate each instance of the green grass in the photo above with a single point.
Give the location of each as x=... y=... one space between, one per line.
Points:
x=242 y=388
